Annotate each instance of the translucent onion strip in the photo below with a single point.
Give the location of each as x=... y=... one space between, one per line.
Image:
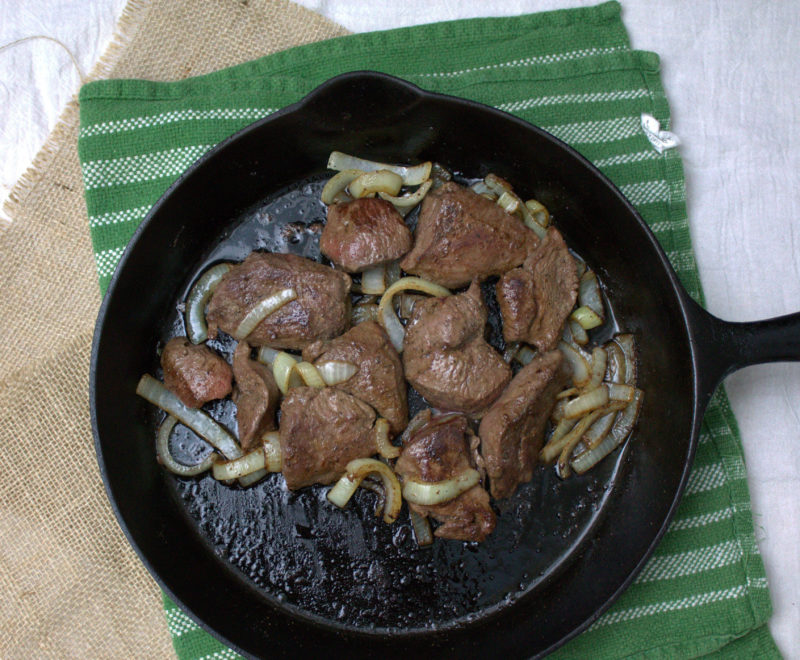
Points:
x=586 y=317
x=266 y=355
x=283 y=369
x=311 y=377
x=554 y=448
x=262 y=310
x=589 y=294
x=386 y=312
x=334 y=189
x=373 y=280
x=196 y=301
x=597 y=432
x=165 y=456
x=539 y=212
x=621 y=429
x=627 y=344
x=581 y=372
x=355 y=473
x=511 y=202
x=250 y=479
x=370 y=183
x=273 y=459
x=422 y=529
x=244 y=465
x=407 y=202
x=585 y=403
x=156 y=393
x=334 y=372
x=412 y=175
x=385 y=448
x=575 y=436
x=579 y=335
x=438 y=492
x=599 y=361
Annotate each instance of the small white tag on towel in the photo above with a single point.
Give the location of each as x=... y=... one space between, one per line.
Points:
x=661 y=140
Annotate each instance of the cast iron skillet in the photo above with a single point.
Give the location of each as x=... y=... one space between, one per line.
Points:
x=274 y=573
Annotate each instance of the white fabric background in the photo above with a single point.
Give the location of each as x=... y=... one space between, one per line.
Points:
x=732 y=77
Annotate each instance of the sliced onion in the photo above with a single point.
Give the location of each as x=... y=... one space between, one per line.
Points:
x=509 y=202
x=525 y=355
x=273 y=458
x=422 y=528
x=283 y=369
x=156 y=393
x=262 y=310
x=370 y=183
x=539 y=212
x=407 y=202
x=553 y=449
x=579 y=335
x=196 y=301
x=308 y=372
x=250 y=479
x=628 y=346
x=373 y=280
x=386 y=312
x=244 y=465
x=581 y=372
x=585 y=403
x=364 y=312
x=565 y=394
x=355 y=473
x=553 y=446
x=575 y=436
x=589 y=294
x=412 y=175
x=334 y=189
x=599 y=361
x=597 y=432
x=480 y=188
x=615 y=370
x=620 y=430
x=620 y=392
x=385 y=448
x=165 y=456
x=334 y=372
x=266 y=355
x=438 y=492
x=586 y=317
x=510 y=199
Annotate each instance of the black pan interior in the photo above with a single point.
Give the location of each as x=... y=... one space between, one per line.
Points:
x=274 y=572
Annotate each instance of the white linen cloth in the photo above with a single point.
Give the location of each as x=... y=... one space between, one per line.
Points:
x=731 y=74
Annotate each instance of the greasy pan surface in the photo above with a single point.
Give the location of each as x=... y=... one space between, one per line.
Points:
x=274 y=573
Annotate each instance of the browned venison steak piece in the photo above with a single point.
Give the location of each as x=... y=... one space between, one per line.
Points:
x=512 y=430
x=379 y=380
x=364 y=233
x=195 y=374
x=462 y=236
x=446 y=357
x=536 y=299
x=256 y=397
x=439 y=451
x=322 y=430
x=321 y=310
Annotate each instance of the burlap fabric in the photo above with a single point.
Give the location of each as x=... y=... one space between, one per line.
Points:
x=71 y=585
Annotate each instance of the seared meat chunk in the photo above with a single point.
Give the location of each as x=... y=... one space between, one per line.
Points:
x=512 y=430
x=195 y=374
x=322 y=430
x=379 y=380
x=363 y=233
x=439 y=451
x=256 y=397
x=321 y=310
x=536 y=299
x=446 y=357
x=461 y=236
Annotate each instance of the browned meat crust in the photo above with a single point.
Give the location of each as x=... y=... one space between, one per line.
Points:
x=195 y=374
x=363 y=233
x=321 y=310
x=512 y=430
x=256 y=397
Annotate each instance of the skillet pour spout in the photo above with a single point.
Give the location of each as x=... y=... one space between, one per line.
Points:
x=278 y=574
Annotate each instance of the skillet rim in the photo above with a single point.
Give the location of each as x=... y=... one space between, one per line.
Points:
x=686 y=307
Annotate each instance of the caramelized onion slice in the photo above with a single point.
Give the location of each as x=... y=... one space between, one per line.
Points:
x=334 y=189
x=165 y=456
x=156 y=393
x=407 y=202
x=356 y=471
x=370 y=183
x=262 y=310
x=437 y=492
x=412 y=175
x=589 y=294
x=284 y=372
x=586 y=317
x=385 y=448
x=196 y=301
x=239 y=467
x=386 y=313
x=581 y=371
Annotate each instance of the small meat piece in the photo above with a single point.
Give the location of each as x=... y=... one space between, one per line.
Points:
x=461 y=236
x=439 y=451
x=322 y=430
x=379 y=380
x=364 y=233
x=321 y=310
x=256 y=397
x=195 y=374
x=512 y=430
x=536 y=299
x=446 y=357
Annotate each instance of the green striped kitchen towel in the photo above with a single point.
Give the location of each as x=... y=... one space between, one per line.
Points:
x=573 y=72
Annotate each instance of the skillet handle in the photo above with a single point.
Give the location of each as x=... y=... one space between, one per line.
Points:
x=723 y=347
